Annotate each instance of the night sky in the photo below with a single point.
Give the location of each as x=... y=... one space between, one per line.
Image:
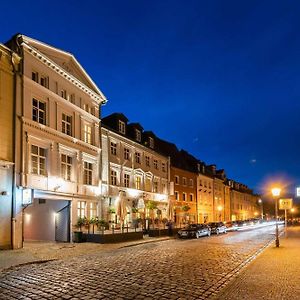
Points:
x=220 y=79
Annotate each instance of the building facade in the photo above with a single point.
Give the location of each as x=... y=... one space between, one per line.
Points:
x=57 y=141
x=9 y=65
x=132 y=173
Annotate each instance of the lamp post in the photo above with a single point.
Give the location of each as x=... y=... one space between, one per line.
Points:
x=276 y=193
x=261 y=208
x=292 y=212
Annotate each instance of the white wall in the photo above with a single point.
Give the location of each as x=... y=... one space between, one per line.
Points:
x=39 y=220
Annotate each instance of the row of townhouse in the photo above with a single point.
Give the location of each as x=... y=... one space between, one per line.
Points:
x=59 y=161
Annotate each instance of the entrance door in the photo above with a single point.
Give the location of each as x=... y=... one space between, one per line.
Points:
x=62 y=225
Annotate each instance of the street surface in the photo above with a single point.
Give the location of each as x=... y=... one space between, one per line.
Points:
x=172 y=269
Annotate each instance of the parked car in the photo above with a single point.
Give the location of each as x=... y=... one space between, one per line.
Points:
x=194 y=231
x=231 y=225
x=217 y=227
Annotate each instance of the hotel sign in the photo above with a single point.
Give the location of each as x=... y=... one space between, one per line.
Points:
x=285 y=203
x=298 y=191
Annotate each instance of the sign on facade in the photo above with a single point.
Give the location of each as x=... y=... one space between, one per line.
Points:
x=27 y=196
x=298 y=191
x=285 y=203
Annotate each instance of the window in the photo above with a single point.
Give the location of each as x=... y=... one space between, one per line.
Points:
x=151 y=142
x=126 y=153
x=191 y=197
x=93 y=209
x=164 y=188
x=81 y=209
x=176 y=179
x=176 y=195
x=183 y=196
x=66 y=124
x=147 y=158
x=113 y=148
x=155 y=164
x=138 y=182
x=137 y=157
x=66 y=167
x=200 y=182
x=148 y=184
x=86 y=108
x=88 y=173
x=35 y=76
x=38 y=160
x=113 y=177
x=121 y=127
x=45 y=81
x=138 y=135
x=63 y=94
x=87 y=133
x=39 y=111
x=126 y=180
x=163 y=167
x=183 y=180
x=72 y=98
x=191 y=182
x=155 y=187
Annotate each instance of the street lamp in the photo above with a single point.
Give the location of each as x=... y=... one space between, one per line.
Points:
x=292 y=211
x=219 y=208
x=276 y=193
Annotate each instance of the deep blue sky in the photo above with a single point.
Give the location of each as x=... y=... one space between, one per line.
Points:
x=220 y=79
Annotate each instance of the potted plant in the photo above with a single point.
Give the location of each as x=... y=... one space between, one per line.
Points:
x=78 y=234
x=93 y=222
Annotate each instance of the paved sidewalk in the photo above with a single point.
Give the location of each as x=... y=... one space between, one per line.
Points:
x=39 y=252
x=274 y=274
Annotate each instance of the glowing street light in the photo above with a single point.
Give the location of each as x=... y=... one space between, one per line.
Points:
x=261 y=208
x=276 y=193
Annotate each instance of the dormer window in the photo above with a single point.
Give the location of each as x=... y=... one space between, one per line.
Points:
x=151 y=142
x=121 y=127
x=138 y=136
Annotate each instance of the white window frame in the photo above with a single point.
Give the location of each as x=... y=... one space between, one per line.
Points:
x=81 y=209
x=137 y=157
x=155 y=164
x=93 y=209
x=138 y=135
x=113 y=148
x=147 y=160
x=122 y=127
x=126 y=153
x=87 y=133
x=66 y=166
x=126 y=180
x=38 y=113
x=40 y=160
x=66 y=124
x=138 y=182
x=113 y=177
x=87 y=173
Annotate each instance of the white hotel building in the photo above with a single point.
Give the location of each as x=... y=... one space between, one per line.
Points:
x=57 y=139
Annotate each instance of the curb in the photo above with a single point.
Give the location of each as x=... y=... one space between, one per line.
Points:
x=38 y=262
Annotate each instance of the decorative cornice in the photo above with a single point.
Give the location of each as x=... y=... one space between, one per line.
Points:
x=100 y=99
x=56 y=133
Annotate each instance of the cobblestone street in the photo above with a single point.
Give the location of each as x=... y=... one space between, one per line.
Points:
x=173 y=269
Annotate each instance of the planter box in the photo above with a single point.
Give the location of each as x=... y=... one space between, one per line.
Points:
x=112 y=238
x=77 y=237
x=158 y=232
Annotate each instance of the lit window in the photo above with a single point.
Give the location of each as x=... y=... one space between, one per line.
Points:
x=138 y=182
x=113 y=177
x=81 y=209
x=66 y=167
x=137 y=157
x=66 y=124
x=155 y=186
x=126 y=180
x=122 y=127
x=93 y=209
x=138 y=135
x=87 y=133
x=39 y=111
x=126 y=153
x=38 y=160
x=113 y=148
x=88 y=173
x=151 y=142
x=148 y=184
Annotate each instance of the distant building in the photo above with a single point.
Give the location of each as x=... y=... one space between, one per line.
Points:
x=57 y=141
x=10 y=237
x=134 y=172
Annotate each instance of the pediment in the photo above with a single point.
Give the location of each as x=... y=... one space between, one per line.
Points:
x=66 y=61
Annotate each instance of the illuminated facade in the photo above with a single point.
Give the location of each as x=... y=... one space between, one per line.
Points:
x=58 y=146
x=9 y=62
x=131 y=166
